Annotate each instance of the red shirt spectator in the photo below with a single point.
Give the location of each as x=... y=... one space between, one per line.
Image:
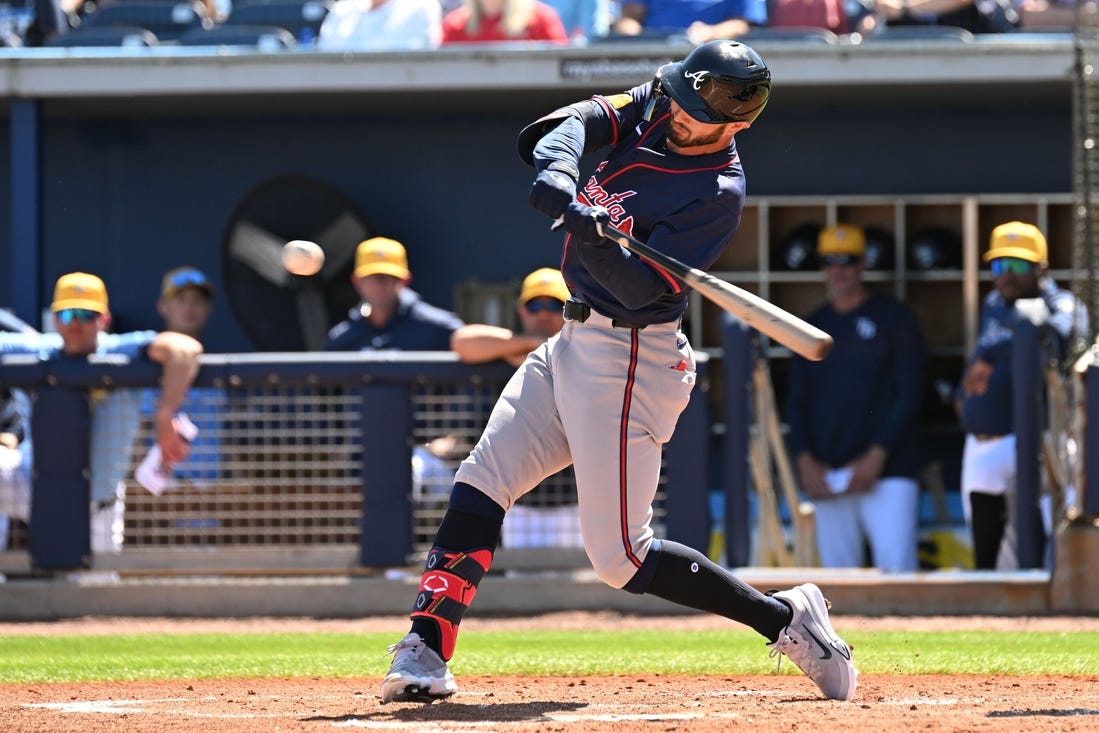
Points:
x=488 y=21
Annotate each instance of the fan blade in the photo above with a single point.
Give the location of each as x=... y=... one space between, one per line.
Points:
x=313 y=317
x=339 y=240
x=261 y=250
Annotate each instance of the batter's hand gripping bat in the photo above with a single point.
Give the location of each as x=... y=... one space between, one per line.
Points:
x=799 y=336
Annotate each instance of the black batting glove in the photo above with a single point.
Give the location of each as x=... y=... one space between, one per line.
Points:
x=552 y=192
x=584 y=222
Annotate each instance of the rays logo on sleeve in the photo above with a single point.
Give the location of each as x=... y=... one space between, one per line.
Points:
x=866 y=329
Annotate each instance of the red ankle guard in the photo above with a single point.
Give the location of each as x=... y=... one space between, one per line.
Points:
x=448 y=586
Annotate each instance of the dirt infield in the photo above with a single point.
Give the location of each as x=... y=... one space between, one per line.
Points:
x=580 y=704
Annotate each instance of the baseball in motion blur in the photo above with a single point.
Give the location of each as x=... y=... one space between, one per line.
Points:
x=302 y=257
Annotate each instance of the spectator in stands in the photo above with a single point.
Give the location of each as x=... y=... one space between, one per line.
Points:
x=1057 y=15
x=853 y=415
x=490 y=21
x=391 y=315
x=975 y=16
x=549 y=514
x=584 y=19
x=31 y=22
x=1018 y=258
x=382 y=25
x=81 y=314
x=837 y=16
x=699 y=21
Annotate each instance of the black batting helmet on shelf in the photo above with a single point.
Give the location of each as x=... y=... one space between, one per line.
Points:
x=880 y=249
x=720 y=81
x=935 y=248
x=799 y=250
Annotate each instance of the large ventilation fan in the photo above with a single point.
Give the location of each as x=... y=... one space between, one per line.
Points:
x=279 y=311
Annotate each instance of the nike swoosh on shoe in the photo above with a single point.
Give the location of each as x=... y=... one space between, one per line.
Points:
x=826 y=648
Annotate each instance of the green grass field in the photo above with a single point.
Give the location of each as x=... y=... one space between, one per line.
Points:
x=40 y=659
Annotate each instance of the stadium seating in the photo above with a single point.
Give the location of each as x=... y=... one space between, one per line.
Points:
x=293 y=15
x=108 y=36
x=801 y=35
x=920 y=33
x=168 y=21
x=263 y=38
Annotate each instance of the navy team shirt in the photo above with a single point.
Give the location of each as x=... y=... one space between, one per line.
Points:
x=686 y=206
x=867 y=390
x=416 y=326
x=992 y=413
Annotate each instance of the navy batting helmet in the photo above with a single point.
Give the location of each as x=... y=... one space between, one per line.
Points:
x=799 y=250
x=880 y=247
x=718 y=82
x=935 y=248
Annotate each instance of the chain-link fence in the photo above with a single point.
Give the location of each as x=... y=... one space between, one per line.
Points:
x=278 y=466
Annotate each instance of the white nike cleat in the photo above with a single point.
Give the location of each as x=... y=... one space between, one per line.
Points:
x=417 y=673
x=813 y=645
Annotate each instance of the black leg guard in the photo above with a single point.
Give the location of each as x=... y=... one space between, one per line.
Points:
x=682 y=575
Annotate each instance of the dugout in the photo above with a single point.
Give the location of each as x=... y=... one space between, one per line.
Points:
x=127 y=163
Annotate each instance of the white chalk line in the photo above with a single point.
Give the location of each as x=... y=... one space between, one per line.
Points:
x=178 y=706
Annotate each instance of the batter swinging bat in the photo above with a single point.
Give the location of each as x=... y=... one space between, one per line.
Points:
x=800 y=337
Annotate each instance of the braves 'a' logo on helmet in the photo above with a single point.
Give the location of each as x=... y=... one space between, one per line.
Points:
x=698 y=78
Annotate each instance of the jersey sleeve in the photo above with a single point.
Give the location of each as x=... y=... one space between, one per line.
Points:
x=133 y=344
x=624 y=111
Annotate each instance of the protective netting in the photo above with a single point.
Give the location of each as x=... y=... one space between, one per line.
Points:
x=1085 y=175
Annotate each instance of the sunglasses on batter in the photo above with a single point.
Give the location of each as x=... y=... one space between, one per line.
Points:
x=80 y=315
x=1011 y=266
x=537 y=305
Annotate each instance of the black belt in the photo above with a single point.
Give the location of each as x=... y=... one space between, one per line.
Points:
x=579 y=311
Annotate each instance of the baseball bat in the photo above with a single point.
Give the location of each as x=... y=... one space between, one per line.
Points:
x=784 y=327
x=771 y=548
x=802 y=513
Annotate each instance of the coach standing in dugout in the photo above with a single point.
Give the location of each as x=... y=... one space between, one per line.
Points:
x=606 y=392
x=1018 y=258
x=853 y=415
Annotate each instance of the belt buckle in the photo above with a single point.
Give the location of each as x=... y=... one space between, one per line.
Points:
x=576 y=310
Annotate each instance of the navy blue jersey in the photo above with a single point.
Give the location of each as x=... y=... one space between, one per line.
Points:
x=686 y=206
x=992 y=413
x=416 y=326
x=868 y=390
